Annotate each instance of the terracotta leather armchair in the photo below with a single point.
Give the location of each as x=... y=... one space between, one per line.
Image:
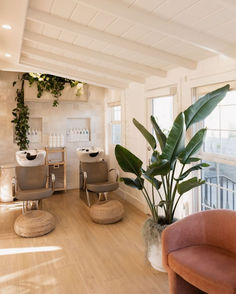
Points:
x=199 y=253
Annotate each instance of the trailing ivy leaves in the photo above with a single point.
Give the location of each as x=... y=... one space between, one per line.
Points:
x=204 y=106
x=134 y=183
x=193 y=168
x=149 y=137
x=161 y=137
x=52 y=84
x=188 y=185
x=21 y=118
x=128 y=161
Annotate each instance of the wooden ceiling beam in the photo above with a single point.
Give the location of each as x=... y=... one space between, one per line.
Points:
x=175 y=30
x=82 y=65
x=89 y=53
x=52 y=68
x=107 y=38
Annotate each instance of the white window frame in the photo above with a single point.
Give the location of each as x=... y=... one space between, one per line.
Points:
x=115 y=122
x=210 y=157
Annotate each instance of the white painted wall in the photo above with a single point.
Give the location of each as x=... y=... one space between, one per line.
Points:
x=134 y=104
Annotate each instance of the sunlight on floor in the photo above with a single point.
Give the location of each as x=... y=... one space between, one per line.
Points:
x=18 y=274
x=10 y=206
x=10 y=251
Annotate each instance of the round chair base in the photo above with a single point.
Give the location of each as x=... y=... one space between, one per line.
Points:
x=107 y=213
x=34 y=223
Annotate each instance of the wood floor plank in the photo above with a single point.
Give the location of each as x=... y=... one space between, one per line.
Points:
x=79 y=256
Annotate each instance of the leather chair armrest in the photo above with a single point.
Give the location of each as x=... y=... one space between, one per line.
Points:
x=85 y=176
x=117 y=173
x=186 y=232
x=53 y=179
x=13 y=185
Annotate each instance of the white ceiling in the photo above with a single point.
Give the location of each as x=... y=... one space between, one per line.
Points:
x=114 y=42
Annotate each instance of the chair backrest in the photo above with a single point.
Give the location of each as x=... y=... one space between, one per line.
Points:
x=97 y=172
x=220 y=228
x=32 y=177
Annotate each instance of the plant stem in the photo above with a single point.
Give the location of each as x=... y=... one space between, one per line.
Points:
x=152 y=208
x=173 y=196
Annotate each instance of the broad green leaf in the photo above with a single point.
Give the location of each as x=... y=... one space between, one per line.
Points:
x=152 y=180
x=193 y=146
x=188 y=185
x=195 y=167
x=175 y=141
x=161 y=137
x=128 y=161
x=134 y=183
x=192 y=159
x=204 y=106
x=161 y=167
x=148 y=136
x=155 y=156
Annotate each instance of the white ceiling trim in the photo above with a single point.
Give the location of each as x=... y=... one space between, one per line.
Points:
x=81 y=65
x=21 y=33
x=69 y=73
x=40 y=39
x=228 y=3
x=58 y=22
x=174 y=30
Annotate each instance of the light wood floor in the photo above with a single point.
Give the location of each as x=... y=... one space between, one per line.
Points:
x=79 y=256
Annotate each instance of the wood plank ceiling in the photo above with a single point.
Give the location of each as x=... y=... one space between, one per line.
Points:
x=114 y=42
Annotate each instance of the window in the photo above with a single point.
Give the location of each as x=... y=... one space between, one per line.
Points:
x=116 y=124
x=219 y=150
x=221 y=127
x=162 y=110
x=220 y=188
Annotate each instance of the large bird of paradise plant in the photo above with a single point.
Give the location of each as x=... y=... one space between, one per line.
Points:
x=167 y=152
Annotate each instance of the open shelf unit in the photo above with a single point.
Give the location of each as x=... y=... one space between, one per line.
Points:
x=56 y=162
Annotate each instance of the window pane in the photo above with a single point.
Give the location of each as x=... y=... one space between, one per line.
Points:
x=228 y=142
x=212 y=121
x=221 y=125
x=116 y=113
x=162 y=109
x=212 y=142
x=221 y=142
x=116 y=134
x=219 y=191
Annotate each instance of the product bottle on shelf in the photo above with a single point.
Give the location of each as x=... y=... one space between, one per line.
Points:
x=58 y=140
x=87 y=134
x=50 y=143
x=39 y=136
x=62 y=141
x=32 y=136
x=54 y=140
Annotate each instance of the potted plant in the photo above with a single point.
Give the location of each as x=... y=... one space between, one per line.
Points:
x=168 y=152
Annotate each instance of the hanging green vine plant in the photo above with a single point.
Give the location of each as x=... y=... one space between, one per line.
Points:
x=21 y=118
x=45 y=82
x=52 y=84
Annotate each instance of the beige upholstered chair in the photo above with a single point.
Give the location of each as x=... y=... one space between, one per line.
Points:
x=31 y=188
x=31 y=184
x=96 y=179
